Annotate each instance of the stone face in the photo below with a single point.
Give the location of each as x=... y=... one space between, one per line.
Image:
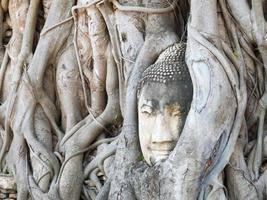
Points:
x=163 y=105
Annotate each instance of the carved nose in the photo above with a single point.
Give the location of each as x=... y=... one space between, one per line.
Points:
x=161 y=133
x=161 y=137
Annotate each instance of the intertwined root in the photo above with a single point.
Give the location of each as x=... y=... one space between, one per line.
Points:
x=85 y=70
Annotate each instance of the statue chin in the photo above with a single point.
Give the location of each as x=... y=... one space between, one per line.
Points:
x=160 y=158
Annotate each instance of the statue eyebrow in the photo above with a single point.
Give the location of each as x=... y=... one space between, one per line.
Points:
x=152 y=103
x=145 y=105
x=174 y=108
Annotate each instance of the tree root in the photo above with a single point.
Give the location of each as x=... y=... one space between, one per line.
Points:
x=3 y=68
x=24 y=53
x=98 y=161
x=62 y=172
x=38 y=148
x=56 y=25
x=23 y=119
x=168 y=9
x=108 y=16
x=103 y=193
x=81 y=139
x=241 y=100
x=75 y=128
x=254 y=167
x=93 y=178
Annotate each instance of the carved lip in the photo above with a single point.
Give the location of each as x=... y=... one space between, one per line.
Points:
x=161 y=152
x=162 y=148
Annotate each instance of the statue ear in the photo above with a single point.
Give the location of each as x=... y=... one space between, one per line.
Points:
x=138 y=91
x=138 y=94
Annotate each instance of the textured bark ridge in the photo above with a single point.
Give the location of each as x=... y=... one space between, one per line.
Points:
x=69 y=101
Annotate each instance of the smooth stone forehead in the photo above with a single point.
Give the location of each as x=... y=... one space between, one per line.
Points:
x=166 y=94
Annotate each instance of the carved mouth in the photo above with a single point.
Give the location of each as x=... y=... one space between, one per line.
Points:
x=161 y=152
x=162 y=148
x=160 y=156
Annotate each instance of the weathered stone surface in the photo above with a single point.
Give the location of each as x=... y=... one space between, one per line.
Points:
x=12 y=196
x=7 y=182
x=3 y=196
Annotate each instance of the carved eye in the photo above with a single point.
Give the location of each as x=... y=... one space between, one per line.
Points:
x=174 y=110
x=176 y=113
x=146 y=109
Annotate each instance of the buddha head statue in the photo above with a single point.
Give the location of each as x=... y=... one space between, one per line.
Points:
x=164 y=99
